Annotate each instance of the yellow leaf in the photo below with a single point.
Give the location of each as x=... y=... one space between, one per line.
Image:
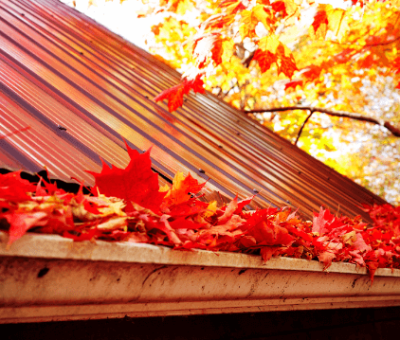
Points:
x=181 y=186
x=248 y=24
x=335 y=19
x=164 y=188
x=184 y=6
x=211 y=209
x=250 y=19
x=261 y=15
x=269 y=43
x=228 y=48
x=113 y=224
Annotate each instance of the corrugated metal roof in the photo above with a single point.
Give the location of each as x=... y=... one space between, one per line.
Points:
x=60 y=69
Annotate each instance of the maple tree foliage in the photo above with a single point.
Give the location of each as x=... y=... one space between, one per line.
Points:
x=141 y=212
x=260 y=55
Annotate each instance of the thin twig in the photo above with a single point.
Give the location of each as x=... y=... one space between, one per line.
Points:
x=389 y=126
x=302 y=127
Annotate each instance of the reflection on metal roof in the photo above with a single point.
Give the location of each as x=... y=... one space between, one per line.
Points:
x=83 y=90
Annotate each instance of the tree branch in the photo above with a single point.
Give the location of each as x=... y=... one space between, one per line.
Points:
x=389 y=126
x=386 y=42
x=302 y=127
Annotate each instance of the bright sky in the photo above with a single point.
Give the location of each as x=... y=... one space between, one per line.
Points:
x=122 y=18
x=119 y=18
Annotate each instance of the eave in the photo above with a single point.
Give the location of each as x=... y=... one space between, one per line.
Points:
x=50 y=278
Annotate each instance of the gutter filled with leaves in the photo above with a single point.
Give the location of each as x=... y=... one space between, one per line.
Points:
x=128 y=205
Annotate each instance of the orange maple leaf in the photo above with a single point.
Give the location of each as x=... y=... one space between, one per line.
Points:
x=174 y=95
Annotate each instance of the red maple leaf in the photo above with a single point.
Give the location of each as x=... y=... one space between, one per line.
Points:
x=311 y=72
x=286 y=63
x=299 y=233
x=191 y=207
x=242 y=204
x=326 y=258
x=217 y=51
x=367 y=62
x=322 y=221
x=20 y=223
x=267 y=232
x=136 y=183
x=265 y=59
x=280 y=7
x=183 y=223
x=174 y=95
x=195 y=84
x=396 y=65
x=14 y=188
x=230 y=209
x=293 y=84
x=319 y=19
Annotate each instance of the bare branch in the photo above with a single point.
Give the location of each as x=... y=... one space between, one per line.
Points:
x=389 y=126
x=302 y=127
x=395 y=131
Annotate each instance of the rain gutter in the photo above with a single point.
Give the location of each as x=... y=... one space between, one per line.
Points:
x=50 y=278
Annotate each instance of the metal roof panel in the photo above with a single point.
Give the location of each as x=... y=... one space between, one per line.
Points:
x=59 y=68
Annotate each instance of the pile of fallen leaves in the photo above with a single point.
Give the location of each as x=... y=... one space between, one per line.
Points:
x=128 y=205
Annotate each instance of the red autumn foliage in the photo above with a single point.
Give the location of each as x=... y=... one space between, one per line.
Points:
x=280 y=7
x=136 y=183
x=14 y=189
x=217 y=51
x=311 y=72
x=293 y=84
x=319 y=19
x=265 y=59
x=174 y=95
x=128 y=206
x=285 y=63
